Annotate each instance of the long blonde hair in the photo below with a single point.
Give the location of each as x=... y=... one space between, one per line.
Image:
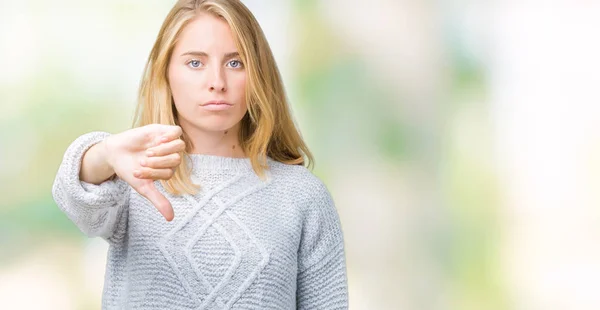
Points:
x=260 y=136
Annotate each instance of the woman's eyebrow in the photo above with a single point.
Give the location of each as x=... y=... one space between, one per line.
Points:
x=231 y=55
x=195 y=53
x=204 y=54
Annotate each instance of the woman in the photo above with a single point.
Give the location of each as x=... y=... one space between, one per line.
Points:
x=239 y=221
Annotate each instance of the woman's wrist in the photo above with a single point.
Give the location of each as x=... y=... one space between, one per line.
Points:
x=96 y=166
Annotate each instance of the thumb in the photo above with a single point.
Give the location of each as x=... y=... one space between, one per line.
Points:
x=159 y=201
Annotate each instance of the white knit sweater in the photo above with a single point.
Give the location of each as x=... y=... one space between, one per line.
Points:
x=240 y=243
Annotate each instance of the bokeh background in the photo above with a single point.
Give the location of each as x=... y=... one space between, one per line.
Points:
x=459 y=138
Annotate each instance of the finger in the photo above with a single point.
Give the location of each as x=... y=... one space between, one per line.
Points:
x=162 y=162
x=153 y=174
x=167 y=148
x=156 y=134
x=159 y=201
x=170 y=133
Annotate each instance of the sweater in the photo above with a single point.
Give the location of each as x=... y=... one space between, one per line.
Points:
x=239 y=243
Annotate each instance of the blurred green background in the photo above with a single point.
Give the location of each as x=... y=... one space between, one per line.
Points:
x=460 y=140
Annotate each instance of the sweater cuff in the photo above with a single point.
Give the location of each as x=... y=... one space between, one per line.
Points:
x=83 y=193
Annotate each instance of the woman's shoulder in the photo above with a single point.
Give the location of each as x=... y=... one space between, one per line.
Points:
x=301 y=188
x=299 y=181
x=299 y=174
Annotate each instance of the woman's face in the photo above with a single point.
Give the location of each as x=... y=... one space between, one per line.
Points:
x=207 y=77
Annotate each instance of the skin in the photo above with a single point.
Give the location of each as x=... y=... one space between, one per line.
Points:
x=204 y=67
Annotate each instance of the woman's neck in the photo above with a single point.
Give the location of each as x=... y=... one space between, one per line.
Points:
x=218 y=143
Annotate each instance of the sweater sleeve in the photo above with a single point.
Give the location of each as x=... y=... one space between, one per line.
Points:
x=322 y=280
x=96 y=210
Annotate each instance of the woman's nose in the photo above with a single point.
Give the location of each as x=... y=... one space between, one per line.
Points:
x=218 y=81
x=222 y=88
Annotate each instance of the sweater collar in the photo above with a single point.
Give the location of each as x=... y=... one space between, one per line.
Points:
x=215 y=163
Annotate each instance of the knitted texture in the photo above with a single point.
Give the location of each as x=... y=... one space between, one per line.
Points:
x=240 y=243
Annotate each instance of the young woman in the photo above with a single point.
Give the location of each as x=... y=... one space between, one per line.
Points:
x=207 y=202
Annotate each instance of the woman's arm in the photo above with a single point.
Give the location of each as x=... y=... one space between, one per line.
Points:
x=322 y=278
x=95 y=168
x=84 y=190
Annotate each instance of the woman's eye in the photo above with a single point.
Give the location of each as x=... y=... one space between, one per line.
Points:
x=235 y=63
x=195 y=63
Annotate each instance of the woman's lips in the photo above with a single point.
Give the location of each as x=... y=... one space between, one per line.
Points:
x=217 y=105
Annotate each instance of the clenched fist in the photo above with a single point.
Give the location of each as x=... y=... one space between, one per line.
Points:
x=139 y=156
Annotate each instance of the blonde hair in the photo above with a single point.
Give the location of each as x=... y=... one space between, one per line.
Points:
x=260 y=136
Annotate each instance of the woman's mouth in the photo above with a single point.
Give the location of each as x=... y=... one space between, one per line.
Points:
x=216 y=105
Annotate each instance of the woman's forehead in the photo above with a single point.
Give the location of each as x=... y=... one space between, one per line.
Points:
x=207 y=33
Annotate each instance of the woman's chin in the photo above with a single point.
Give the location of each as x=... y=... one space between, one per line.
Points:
x=208 y=123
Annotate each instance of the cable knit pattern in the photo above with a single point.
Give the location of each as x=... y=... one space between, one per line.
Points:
x=240 y=243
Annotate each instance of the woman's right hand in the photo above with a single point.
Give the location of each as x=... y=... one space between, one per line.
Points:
x=141 y=155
